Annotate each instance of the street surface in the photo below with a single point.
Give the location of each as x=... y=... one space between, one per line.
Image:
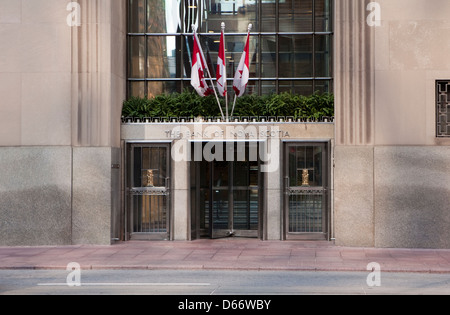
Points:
x=203 y=282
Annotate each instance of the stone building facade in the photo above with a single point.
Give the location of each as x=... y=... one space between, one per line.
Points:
x=63 y=78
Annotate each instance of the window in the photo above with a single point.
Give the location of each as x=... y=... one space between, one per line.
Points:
x=291 y=43
x=443 y=108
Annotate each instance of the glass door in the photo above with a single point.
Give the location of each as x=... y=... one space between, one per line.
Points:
x=148 y=190
x=306 y=197
x=226 y=198
x=246 y=198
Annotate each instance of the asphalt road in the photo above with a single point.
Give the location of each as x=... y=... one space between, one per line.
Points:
x=201 y=283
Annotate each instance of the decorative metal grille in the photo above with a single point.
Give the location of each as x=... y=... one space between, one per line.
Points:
x=306 y=209
x=145 y=191
x=443 y=108
x=259 y=119
x=306 y=213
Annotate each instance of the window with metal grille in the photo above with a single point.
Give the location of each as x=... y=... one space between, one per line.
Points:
x=443 y=108
x=291 y=43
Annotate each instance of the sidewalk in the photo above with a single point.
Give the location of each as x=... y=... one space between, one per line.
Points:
x=226 y=254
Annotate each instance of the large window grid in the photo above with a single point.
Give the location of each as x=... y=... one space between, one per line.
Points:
x=291 y=43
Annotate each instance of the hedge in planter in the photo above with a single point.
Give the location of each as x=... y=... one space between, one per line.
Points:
x=190 y=104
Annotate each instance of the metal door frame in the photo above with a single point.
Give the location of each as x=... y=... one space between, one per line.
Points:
x=195 y=208
x=298 y=190
x=146 y=191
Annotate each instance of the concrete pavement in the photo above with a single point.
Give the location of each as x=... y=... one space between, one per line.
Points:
x=225 y=254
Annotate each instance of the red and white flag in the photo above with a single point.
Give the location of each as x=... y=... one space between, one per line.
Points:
x=221 y=72
x=243 y=71
x=199 y=65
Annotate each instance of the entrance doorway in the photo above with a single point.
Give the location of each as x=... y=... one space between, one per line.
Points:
x=226 y=196
x=148 y=191
x=306 y=201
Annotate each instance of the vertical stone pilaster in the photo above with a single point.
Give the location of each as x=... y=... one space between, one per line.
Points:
x=180 y=199
x=98 y=90
x=355 y=99
x=98 y=73
x=354 y=60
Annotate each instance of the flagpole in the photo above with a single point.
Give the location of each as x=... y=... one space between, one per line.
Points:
x=250 y=26
x=226 y=105
x=194 y=28
x=225 y=83
x=234 y=104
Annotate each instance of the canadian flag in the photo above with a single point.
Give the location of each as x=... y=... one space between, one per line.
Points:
x=221 y=72
x=198 y=66
x=243 y=71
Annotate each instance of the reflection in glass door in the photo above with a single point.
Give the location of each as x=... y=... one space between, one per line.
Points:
x=306 y=197
x=148 y=191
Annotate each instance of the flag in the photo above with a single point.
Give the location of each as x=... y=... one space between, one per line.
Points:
x=243 y=71
x=198 y=80
x=221 y=72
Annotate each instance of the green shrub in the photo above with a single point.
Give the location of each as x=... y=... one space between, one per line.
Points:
x=190 y=104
